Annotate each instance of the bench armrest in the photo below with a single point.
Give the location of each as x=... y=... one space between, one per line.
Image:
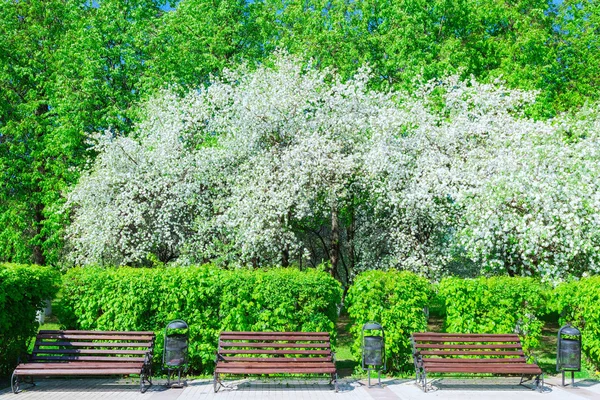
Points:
x=218 y=357
x=148 y=358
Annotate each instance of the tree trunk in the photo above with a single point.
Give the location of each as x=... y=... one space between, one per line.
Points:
x=352 y=248
x=38 y=218
x=285 y=257
x=334 y=254
x=38 y=254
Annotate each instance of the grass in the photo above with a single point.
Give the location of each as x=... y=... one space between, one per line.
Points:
x=345 y=362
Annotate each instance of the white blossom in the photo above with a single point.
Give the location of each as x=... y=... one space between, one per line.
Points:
x=254 y=168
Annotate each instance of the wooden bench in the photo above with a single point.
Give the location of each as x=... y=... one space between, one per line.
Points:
x=85 y=353
x=265 y=353
x=471 y=353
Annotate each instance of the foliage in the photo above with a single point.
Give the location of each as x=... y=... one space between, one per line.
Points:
x=578 y=303
x=495 y=305
x=34 y=162
x=212 y=35
x=394 y=299
x=67 y=68
x=574 y=76
x=23 y=289
x=209 y=299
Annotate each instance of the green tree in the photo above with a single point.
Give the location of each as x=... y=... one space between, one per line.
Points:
x=33 y=160
x=577 y=76
x=103 y=61
x=202 y=37
x=67 y=69
x=406 y=38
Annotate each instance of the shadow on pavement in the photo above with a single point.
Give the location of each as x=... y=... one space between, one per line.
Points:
x=585 y=383
x=481 y=385
x=89 y=385
x=249 y=385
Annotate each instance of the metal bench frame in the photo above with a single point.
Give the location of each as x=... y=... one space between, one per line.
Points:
x=266 y=353
x=88 y=353
x=485 y=353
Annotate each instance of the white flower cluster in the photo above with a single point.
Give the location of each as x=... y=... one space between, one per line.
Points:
x=279 y=164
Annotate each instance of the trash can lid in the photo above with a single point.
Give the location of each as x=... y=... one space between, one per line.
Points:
x=372 y=326
x=177 y=324
x=569 y=330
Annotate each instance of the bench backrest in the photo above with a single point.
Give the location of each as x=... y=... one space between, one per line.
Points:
x=460 y=346
x=70 y=346
x=307 y=346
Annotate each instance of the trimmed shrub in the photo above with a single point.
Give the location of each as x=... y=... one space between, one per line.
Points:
x=209 y=299
x=23 y=289
x=578 y=302
x=495 y=305
x=395 y=300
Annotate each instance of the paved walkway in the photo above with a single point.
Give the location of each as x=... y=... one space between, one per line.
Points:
x=447 y=389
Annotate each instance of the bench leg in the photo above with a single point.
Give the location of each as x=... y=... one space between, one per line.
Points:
x=539 y=383
x=334 y=380
x=15 y=384
x=216 y=382
x=145 y=376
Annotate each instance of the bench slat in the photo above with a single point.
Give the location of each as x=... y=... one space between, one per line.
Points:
x=467 y=346
x=477 y=367
x=483 y=369
x=278 y=334
x=76 y=365
x=279 y=359
x=471 y=353
x=438 y=360
x=86 y=358
x=468 y=340
x=66 y=371
x=243 y=364
x=93 y=337
x=91 y=344
x=290 y=339
x=91 y=351
x=279 y=345
x=282 y=370
x=420 y=335
x=436 y=337
x=324 y=352
x=104 y=333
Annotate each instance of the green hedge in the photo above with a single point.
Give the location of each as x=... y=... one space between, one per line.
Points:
x=394 y=299
x=208 y=298
x=495 y=305
x=23 y=289
x=578 y=302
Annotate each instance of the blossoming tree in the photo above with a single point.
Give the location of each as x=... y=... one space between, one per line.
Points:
x=292 y=165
